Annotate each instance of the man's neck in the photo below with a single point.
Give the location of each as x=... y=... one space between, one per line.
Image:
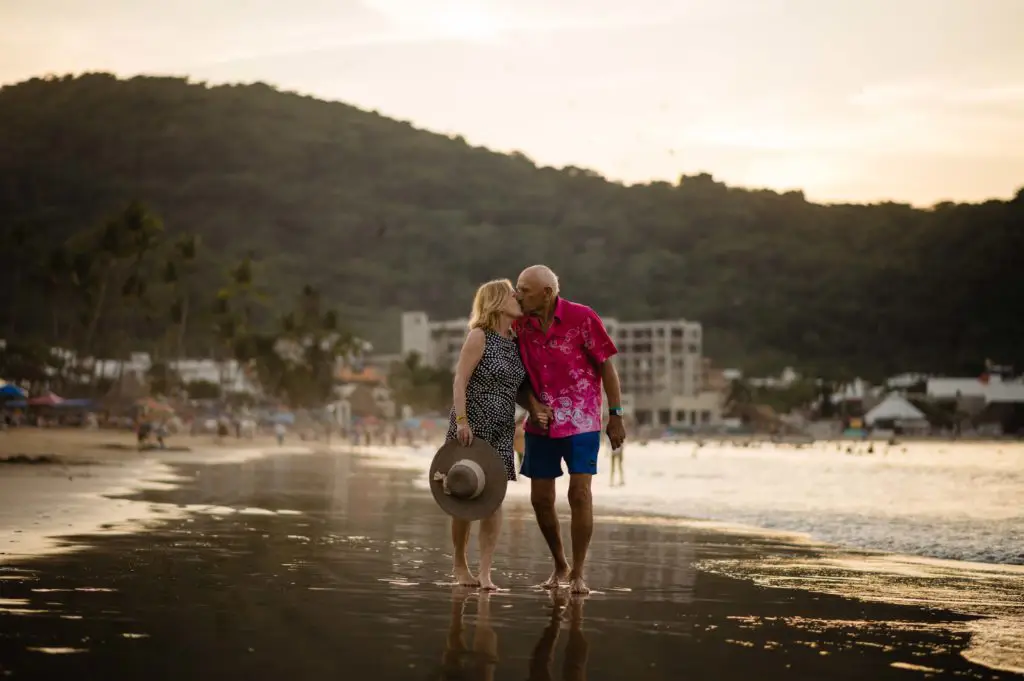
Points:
x=548 y=313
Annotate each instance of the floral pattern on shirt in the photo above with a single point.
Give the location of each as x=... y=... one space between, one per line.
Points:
x=564 y=367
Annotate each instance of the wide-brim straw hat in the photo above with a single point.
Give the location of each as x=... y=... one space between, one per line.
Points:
x=468 y=482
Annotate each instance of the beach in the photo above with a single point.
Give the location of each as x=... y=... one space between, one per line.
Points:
x=311 y=563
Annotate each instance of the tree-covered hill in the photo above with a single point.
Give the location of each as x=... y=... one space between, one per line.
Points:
x=381 y=217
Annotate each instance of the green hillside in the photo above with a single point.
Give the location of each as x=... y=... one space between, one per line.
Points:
x=381 y=217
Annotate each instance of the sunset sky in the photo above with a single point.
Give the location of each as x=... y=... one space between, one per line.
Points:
x=849 y=100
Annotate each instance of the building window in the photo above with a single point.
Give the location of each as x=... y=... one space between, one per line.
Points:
x=705 y=416
x=677 y=333
x=693 y=349
x=664 y=417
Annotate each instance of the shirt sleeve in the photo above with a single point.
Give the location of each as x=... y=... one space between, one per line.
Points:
x=597 y=343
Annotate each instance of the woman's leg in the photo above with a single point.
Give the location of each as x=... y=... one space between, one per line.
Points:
x=490 y=528
x=460 y=548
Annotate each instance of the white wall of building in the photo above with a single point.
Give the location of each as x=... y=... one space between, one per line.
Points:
x=138 y=365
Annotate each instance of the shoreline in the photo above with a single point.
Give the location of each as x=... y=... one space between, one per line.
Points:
x=76 y=483
x=94 y=501
x=990 y=593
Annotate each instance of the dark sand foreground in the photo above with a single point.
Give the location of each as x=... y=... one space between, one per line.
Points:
x=321 y=567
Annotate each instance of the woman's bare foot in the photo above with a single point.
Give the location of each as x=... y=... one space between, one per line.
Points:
x=557 y=577
x=578 y=586
x=486 y=584
x=464 y=577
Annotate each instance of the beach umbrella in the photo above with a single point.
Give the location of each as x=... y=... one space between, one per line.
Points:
x=11 y=390
x=47 y=400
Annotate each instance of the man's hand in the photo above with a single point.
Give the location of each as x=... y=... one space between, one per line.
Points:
x=616 y=431
x=541 y=414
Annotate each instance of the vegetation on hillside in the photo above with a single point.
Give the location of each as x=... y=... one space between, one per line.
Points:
x=126 y=286
x=380 y=217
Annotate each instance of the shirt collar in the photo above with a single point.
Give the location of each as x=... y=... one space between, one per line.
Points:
x=558 y=316
x=559 y=308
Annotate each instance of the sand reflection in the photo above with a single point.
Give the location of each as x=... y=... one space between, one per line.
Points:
x=477 y=658
x=991 y=593
x=574 y=667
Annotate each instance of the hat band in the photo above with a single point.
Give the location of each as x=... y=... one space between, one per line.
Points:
x=478 y=471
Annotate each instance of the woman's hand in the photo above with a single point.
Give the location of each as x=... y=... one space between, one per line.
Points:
x=540 y=413
x=465 y=434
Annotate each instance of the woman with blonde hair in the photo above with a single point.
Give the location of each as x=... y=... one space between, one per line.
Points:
x=487 y=378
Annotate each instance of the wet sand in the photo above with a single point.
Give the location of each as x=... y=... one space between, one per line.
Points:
x=73 y=480
x=80 y=446
x=324 y=566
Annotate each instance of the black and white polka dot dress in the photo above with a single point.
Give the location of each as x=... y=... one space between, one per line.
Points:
x=491 y=398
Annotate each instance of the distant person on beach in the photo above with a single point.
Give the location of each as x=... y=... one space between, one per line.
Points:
x=567 y=354
x=519 y=443
x=488 y=376
x=617 y=465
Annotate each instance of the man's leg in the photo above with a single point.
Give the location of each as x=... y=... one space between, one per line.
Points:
x=581 y=501
x=542 y=463
x=582 y=468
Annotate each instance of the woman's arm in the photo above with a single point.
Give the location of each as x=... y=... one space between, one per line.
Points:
x=469 y=357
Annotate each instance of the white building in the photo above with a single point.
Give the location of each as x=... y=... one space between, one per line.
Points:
x=995 y=389
x=659 y=364
x=228 y=374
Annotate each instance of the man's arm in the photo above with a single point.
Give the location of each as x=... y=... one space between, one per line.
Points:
x=525 y=397
x=610 y=378
x=616 y=429
x=538 y=412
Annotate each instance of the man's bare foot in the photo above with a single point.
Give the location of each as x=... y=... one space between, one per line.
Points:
x=578 y=586
x=557 y=577
x=486 y=584
x=464 y=577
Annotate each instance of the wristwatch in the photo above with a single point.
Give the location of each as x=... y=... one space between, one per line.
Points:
x=615 y=411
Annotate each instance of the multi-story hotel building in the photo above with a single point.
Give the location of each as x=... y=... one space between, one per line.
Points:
x=659 y=362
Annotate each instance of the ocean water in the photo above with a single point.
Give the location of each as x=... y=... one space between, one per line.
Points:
x=938 y=525
x=955 y=501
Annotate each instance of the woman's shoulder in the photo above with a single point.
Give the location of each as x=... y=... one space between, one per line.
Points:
x=476 y=336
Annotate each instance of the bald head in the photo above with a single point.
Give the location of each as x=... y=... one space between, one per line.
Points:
x=541 y=276
x=537 y=289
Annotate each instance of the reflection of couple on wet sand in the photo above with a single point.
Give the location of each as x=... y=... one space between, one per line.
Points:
x=480 y=659
x=529 y=346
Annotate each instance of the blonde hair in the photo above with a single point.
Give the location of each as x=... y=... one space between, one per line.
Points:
x=487 y=304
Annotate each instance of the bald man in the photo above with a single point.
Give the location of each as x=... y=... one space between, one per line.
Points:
x=568 y=355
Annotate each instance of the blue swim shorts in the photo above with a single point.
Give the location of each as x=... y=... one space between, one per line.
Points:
x=544 y=455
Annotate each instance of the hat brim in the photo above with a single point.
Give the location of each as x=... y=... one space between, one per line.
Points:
x=495 y=484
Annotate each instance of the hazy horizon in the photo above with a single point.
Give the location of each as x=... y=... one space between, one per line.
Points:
x=914 y=101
